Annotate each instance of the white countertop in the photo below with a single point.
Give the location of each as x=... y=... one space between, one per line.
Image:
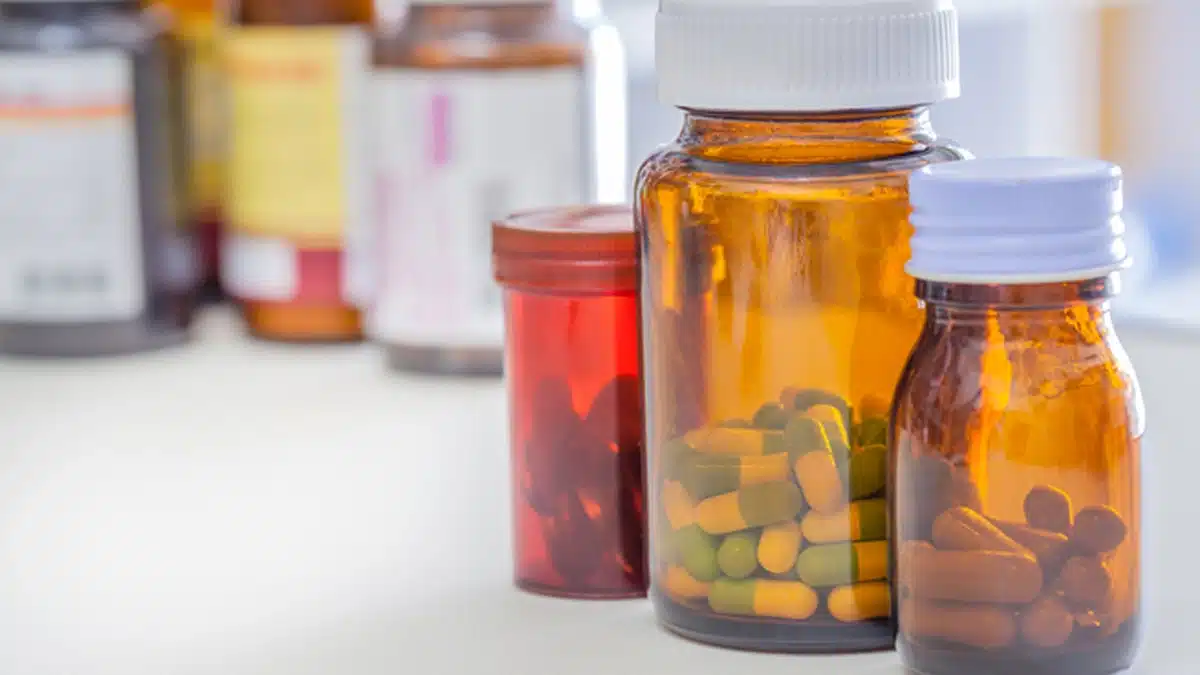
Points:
x=242 y=508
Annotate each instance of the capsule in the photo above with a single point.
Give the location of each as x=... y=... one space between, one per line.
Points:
x=698 y=552
x=969 y=576
x=1050 y=548
x=963 y=529
x=681 y=510
x=801 y=400
x=833 y=422
x=868 y=472
x=1086 y=583
x=672 y=457
x=681 y=585
x=858 y=521
x=778 y=547
x=873 y=431
x=860 y=602
x=725 y=441
x=1098 y=530
x=771 y=416
x=763 y=598
x=751 y=506
x=738 y=555
x=1048 y=508
x=812 y=461
x=705 y=475
x=1047 y=623
x=843 y=564
x=981 y=626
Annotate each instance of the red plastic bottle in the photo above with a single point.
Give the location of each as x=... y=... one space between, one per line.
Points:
x=570 y=297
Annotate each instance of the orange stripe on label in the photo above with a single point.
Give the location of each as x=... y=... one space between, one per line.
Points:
x=24 y=112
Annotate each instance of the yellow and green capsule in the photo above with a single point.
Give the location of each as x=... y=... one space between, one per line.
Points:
x=860 y=602
x=697 y=550
x=726 y=441
x=858 y=521
x=751 y=506
x=804 y=399
x=813 y=464
x=872 y=431
x=868 y=472
x=832 y=421
x=763 y=597
x=679 y=506
x=672 y=456
x=843 y=564
x=778 y=547
x=705 y=475
x=681 y=585
x=738 y=555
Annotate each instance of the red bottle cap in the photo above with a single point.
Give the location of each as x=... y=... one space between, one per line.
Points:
x=581 y=249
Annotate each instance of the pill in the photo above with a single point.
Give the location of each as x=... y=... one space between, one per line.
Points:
x=778 y=547
x=705 y=475
x=763 y=597
x=1048 y=508
x=969 y=576
x=873 y=431
x=751 y=506
x=738 y=555
x=860 y=602
x=1086 y=583
x=1047 y=623
x=931 y=485
x=872 y=406
x=1050 y=548
x=698 y=551
x=842 y=564
x=980 y=626
x=812 y=461
x=857 y=521
x=962 y=529
x=681 y=585
x=771 y=416
x=868 y=472
x=832 y=420
x=672 y=458
x=736 y=423
x=678 y=504
x=1097 y=530
x=735 y=441
x=802 y=399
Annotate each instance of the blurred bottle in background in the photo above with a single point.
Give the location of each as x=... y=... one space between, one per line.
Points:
x=199 y=77
x=483 y=108
x=92 y=256
x=298 y=176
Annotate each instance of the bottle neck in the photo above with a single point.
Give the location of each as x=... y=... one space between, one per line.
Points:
x=1080 y=303
x=807 y=138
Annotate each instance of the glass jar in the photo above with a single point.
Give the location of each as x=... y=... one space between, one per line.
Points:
x=777 y=312
x=570 y=296
x=1017 y=429
x=299 y=191
x=92 y=258
x=482 y=111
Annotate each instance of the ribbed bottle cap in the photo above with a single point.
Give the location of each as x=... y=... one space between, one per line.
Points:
x=582 y=249
x=1015 y=221
x=806 y=55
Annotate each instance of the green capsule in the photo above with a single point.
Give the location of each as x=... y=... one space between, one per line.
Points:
x=752 y=506
x=705 y=475
x=698 y=552
x=771 y=416
x=803 y=434
x=738 y=555
x=842 y=564
x=725 y=441
x=803 y=399
x=672 y=458
x=868 y=472
x=873 y=431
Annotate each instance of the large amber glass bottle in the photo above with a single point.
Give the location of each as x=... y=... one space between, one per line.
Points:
x=778 y=314
x=298 y=179
x=1017 y=428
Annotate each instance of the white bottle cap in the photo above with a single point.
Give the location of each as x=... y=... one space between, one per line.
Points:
x=806 y=55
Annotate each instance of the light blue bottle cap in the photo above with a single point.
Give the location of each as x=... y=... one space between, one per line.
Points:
x=1017 y=221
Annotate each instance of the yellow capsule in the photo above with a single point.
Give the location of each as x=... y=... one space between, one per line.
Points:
x=779 y=546
x=858 y=521
x=683 y=586
x=763 y=597
x=860 y=602
x=681 y=510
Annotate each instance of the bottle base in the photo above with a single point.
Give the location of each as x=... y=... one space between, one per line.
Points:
x=469 y=362
x=546 y=590
x=1113 y=655
x=119 y=338
x=287 y=322
x=821 y=634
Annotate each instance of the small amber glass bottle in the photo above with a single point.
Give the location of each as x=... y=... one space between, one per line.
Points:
x=1017 y=428
x=777 y=313
x=481 y=111
x=298 y=184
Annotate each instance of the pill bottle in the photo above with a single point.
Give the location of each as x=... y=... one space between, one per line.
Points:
x=197 y=75
x=92 y=259
x=482 y=111
x=777 y=312
x=1017 y=428
x=298 y=184
x=569 y=279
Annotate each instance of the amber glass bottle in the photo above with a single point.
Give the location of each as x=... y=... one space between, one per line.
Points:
x=481 y=112
x=298 y=184
x=1017 y=428
x=777 y=312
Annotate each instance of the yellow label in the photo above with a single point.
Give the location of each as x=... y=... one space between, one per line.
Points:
x=295 y=95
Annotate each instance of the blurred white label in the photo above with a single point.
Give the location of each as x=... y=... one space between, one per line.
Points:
x=70 y=235
x=262 y=268
x=456 y=151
